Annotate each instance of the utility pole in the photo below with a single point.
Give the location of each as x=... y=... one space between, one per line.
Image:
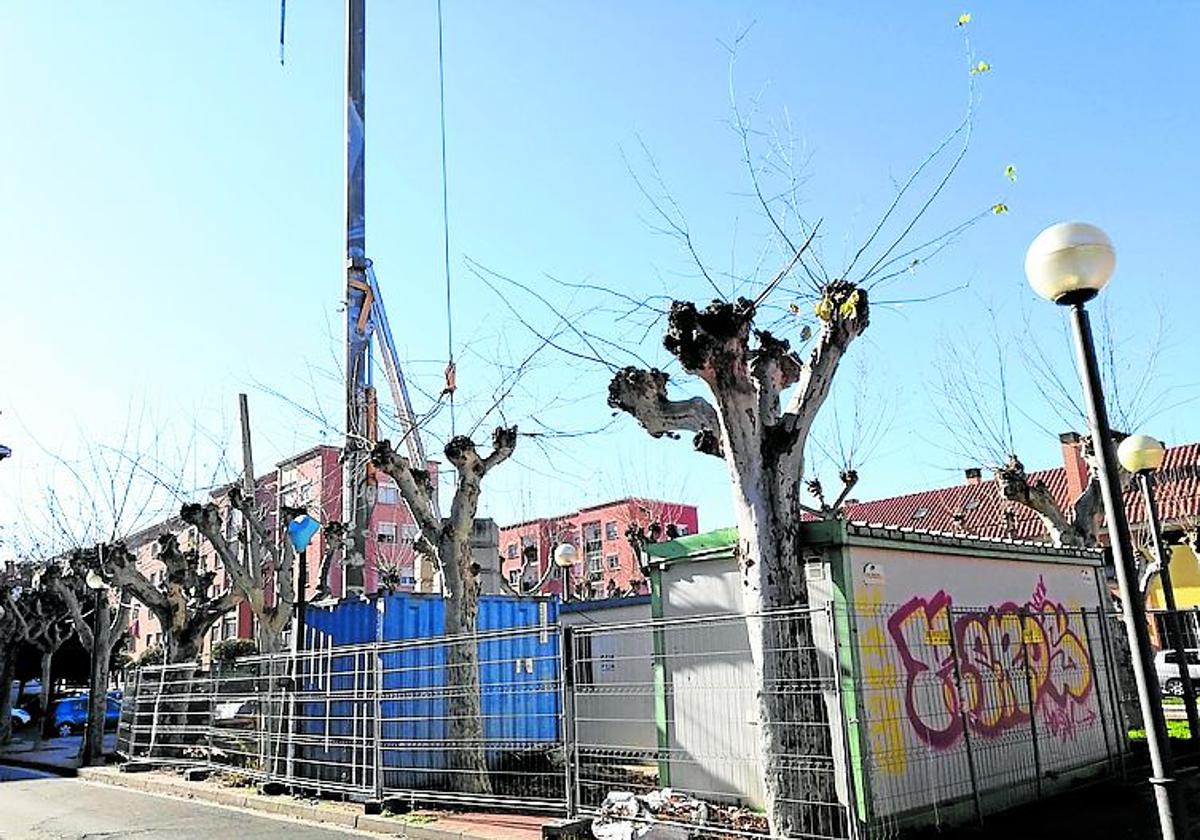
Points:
x=356 y=454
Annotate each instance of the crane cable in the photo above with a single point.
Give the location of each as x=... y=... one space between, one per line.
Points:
x=451 y=373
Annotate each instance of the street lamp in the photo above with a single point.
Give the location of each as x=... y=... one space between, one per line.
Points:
x=1141 y=455
x=1069 y=263
x=300 y=531
x=566 y=556
x=95 y=582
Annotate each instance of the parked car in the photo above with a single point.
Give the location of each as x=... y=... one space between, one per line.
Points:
x=70 y=714
x=1166 y=666
x=20 y=717
x=236 y=714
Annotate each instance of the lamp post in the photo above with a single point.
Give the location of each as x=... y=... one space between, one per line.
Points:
x=93 y=746
x=300 y=531
x=1069 y=263
x=1141 y=455
x=565 y=556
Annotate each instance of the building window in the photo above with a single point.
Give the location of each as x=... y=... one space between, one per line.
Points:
x=614 y=561
x=528 y=541
x=511 y=551
x=682 y=530
x=593 y=549
x=386 y=533
x=610 y=530
x=514 y=578
x=388 y=494
x=408 y=534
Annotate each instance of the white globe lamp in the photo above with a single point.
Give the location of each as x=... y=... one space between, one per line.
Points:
x=1141 y=453
x=1070 y=262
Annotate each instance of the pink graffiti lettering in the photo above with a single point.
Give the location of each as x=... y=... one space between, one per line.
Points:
x=986 y=667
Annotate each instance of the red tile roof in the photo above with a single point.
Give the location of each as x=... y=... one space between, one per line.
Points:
x=980 y=510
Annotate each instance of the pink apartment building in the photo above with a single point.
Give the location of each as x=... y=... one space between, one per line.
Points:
x=607 y=564
x=312 y=480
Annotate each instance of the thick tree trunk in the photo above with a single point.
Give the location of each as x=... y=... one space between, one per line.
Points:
x=466 y=728
x=102 y=644
x=7 y=665
x=45 y=721
x=795 y=746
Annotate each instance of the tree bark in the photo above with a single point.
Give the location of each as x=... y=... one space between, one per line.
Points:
x=448 y=545
x=762 y=442
x=7 y=665
x=45 y=721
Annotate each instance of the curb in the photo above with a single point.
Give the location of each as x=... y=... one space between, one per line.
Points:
x=29 y=764
x=279 y=806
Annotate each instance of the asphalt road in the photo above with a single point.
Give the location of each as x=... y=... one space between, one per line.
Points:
x=36 y=806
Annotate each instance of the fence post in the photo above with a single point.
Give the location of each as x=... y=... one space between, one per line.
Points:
x=962 y=713
x=855 y=830
x=1087 y=639
x=1114 y=687
x=566 y=678
x=212 y=710
x=1031 y=691
x=378 y=722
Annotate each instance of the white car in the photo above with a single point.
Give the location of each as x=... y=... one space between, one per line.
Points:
x=20 y=717
x=1166 y=666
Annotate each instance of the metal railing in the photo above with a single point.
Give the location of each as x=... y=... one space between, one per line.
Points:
x=881 y=718
x=416 y=719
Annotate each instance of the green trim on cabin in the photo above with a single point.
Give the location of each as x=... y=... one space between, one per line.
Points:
x=661 y=717
x=694 y=546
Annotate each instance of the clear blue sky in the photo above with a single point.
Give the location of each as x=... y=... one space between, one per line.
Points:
x=171 y=218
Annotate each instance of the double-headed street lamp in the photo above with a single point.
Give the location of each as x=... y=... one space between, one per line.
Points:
x=1069 y=263
x=1141 y=455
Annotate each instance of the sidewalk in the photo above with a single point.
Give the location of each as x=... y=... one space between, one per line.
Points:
x=420 y=824
x=54 y=755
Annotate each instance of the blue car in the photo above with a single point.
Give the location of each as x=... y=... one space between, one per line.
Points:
x=70 y=714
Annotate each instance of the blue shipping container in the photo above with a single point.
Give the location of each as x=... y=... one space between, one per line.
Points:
x=518 y=676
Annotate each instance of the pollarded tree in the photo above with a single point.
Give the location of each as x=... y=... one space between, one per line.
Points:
x=765 y=397
x=446 y=543
x=259 y=565
x=762 y=439
x=185 y=603
x=67 y=579
x=47 y=626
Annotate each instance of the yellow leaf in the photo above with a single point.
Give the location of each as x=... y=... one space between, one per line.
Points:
x=964 y=18
x=794 y=309
x=1000 y=209
x=1010 y=172
x=849 y=307
x=824 y=308
x=981 y=67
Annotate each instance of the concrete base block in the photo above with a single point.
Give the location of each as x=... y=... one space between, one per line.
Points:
x=574 y=829
x=272 y=788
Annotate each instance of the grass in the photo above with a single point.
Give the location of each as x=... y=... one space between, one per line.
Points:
x=1175 y=729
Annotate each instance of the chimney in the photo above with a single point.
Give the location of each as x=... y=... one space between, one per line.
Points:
x=1073 y=463
x=974 y=475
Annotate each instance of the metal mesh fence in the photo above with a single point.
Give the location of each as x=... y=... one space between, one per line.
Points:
x=419 y=718
x=863 y=721
x=676 y=704
x=964 y=712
